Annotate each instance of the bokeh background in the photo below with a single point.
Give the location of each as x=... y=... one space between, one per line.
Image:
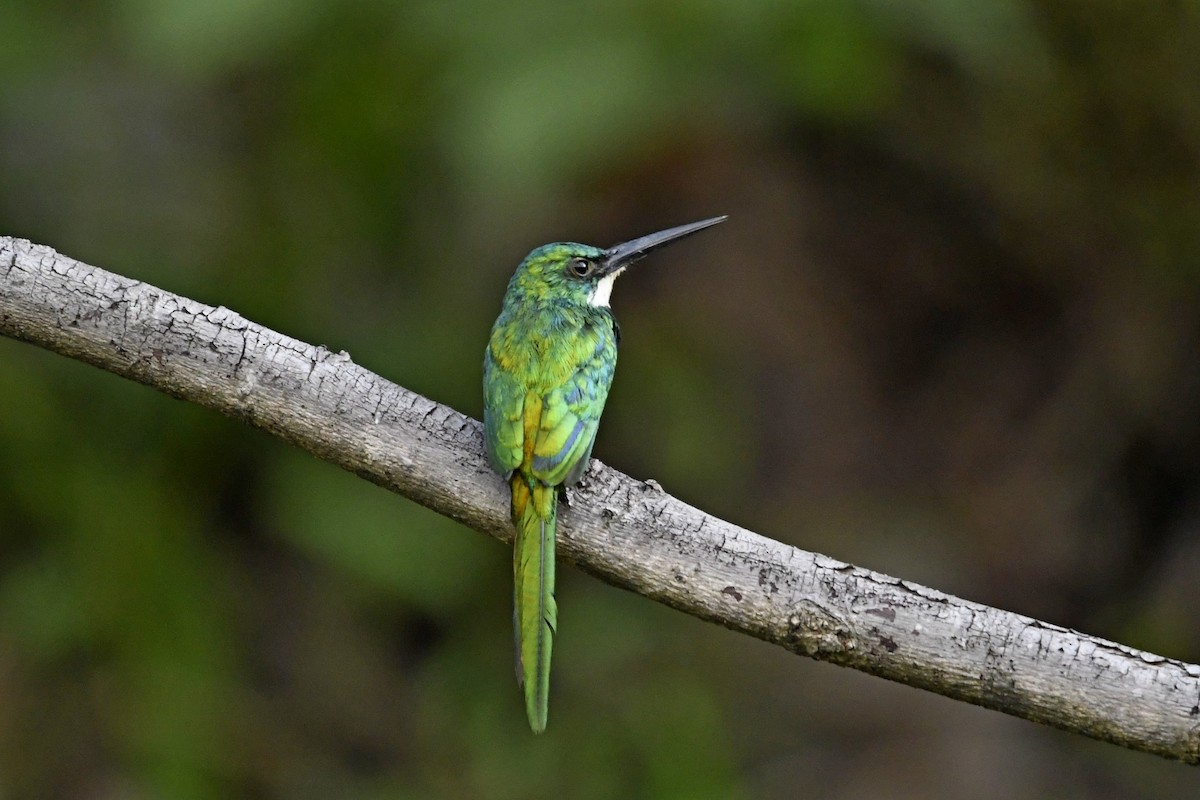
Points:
x=950 y=332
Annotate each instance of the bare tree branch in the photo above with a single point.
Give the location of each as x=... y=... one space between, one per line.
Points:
x=628 y=532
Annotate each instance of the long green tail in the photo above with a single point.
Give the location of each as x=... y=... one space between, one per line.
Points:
x=535 y=615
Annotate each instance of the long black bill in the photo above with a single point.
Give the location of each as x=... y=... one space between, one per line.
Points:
x=622 y=255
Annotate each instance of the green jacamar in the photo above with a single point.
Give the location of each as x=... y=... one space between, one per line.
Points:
x=546 y=373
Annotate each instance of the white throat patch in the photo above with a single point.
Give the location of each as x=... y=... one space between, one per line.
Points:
x=601 y=295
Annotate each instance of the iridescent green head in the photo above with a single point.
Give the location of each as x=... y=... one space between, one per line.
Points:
x=579 y=273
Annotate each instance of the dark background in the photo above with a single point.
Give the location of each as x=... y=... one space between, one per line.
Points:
x=949 y=332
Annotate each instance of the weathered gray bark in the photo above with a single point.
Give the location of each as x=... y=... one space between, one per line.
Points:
x=627 y=532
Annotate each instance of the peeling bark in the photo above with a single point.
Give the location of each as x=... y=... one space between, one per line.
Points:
x=630 y=533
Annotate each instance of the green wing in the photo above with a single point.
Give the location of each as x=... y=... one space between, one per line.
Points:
x=566 y=432
x=571 y=411
x=503 y=408
x=573 y=379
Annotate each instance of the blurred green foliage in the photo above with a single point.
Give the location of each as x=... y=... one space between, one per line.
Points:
x=950 y=332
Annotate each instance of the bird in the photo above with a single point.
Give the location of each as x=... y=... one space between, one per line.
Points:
x=547 y=369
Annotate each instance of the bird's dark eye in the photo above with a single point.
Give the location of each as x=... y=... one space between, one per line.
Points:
x=581 y=267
